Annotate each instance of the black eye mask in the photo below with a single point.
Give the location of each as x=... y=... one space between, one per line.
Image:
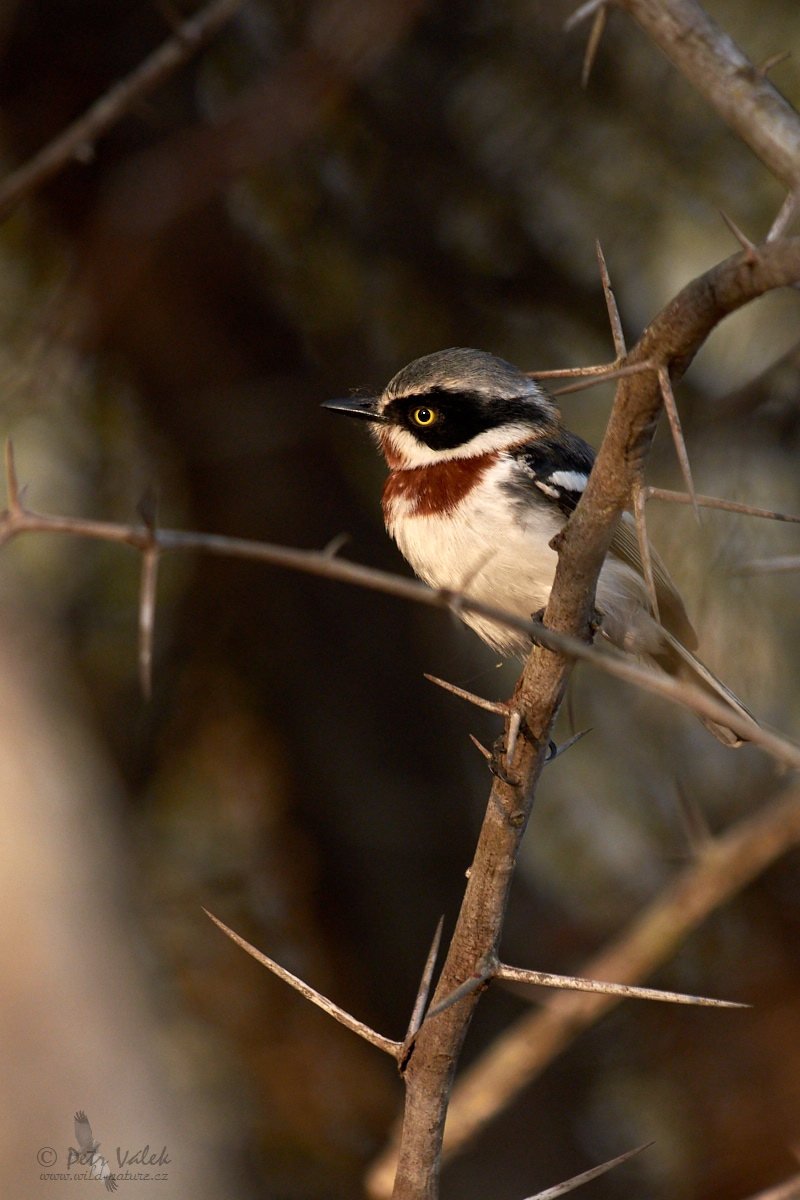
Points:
x=458 y=417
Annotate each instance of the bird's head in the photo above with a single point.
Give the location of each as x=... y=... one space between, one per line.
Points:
x=456 y=403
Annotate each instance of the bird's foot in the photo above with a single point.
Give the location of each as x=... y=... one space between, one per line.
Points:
x=499 y=765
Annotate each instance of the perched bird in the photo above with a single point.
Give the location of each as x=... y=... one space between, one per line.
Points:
x=483 y=474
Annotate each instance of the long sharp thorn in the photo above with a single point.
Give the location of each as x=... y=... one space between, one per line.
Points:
x=571 y=983
x=464 y=989
x=487 y=754
x=583 y=13
x=12 y=486
x=784 y=218
x=639 y=499
x=592 y=46
x=571 y=372
x=561 y=1189
x=425 y=985
x=751 y=254
x=562 y=749
x=617 y=373
x=311 y=994
x=677 y=435
x=620 y=348
x=514 y=726
x=147 y=617
x=733 y=506
x=492 y=706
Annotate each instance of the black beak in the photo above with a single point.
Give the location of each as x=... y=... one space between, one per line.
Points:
x=357 y=406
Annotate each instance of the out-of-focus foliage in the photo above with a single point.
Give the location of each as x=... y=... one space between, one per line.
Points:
x=283 y=222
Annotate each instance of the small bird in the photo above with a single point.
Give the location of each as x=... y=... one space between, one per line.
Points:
x=89 y=1153
x=483 y=474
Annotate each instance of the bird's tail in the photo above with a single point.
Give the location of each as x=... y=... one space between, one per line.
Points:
x=684 y=665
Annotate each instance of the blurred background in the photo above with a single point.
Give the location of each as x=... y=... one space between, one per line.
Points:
x=329 y=190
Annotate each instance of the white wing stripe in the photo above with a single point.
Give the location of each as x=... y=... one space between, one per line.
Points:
x=571 y=481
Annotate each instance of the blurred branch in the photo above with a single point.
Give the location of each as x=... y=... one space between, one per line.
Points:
x=788 y=1190
x=78 y=140
x=782 y=565
x=723 y=867
x=715 y=65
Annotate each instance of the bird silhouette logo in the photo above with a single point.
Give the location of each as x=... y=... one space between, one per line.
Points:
x=89 y=1153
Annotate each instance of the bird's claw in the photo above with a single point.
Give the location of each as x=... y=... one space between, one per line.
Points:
x=498 y=763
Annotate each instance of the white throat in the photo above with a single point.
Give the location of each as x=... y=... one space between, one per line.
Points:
x=403 y=450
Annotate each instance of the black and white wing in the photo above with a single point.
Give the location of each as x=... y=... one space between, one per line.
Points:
x=557 y=469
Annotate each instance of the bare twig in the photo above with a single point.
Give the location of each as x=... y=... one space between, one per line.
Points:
x=318 y=563
x=492 y=706
x=78 y=140
x=611 y=304
x=747 y=510
x=568 y=1185
x=638 y=368
x=782 y=565
x=677 y=434
x=333 y=1010
x=722 y=868
x=592 y=46
x=572 y=372
x=424 y=986
x=639 y=498
x=571 y=983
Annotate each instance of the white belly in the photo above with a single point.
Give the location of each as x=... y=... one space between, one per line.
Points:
x=487 y=549
x=498 y=553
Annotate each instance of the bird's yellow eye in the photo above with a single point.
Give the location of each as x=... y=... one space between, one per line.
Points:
x=423 y=416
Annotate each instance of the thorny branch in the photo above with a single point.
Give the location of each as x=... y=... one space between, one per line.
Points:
x=722 y=867
x=768 y=124
x=79 y=139
x=17 y=520
x=670 y=342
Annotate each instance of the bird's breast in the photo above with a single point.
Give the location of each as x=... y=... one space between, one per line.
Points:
x=434 y=490
x=463 y=532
